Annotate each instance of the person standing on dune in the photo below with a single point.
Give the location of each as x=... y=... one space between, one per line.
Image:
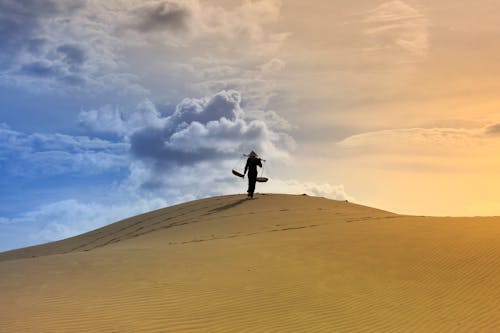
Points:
x=252 y=162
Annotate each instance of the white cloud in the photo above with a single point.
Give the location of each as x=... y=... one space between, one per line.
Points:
x=69 y=218
x=428 y=150
x=54 y=154
x=272 y=66
x=336 y=192
x=397 y=24
x=183 y=22
x=492 y=129
x=393 y=11
x=411 y=141
x=70 y=47
x=210 y=128
x=123 y=122
x=98 y=47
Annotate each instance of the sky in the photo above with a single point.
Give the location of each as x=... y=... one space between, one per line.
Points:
x=113 y=108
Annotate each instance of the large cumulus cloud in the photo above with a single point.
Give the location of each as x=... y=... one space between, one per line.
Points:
x=188 y=152
x=199 y=129
x=202 y=129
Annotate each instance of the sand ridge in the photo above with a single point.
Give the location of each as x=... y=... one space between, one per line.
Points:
x=278 y=263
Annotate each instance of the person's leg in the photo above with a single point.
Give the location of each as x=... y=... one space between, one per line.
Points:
x=251 y=186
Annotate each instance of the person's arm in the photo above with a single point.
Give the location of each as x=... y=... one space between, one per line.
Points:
x=246 y=168
x=259 y=162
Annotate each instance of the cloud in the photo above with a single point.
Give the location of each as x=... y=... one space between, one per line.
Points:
x=336 y=192
x=19 y=22
x=40 y=69
x=213 y=128
x=94 y=47
x=73 y=54
x=163 y=15
x=272 y=66
x=202 y=20
x=190 y=152
x=64 y=45
x=31 y=49
x=67 y=218
x=397 y=24
x=393 y=11
x=493 y=129
x=229 y=37
x=438 y=150
x=123 y=122
x=412 y=141
x=56 y=154
x=210 y=128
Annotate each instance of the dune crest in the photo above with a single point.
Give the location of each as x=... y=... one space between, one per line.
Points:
x=278 y=263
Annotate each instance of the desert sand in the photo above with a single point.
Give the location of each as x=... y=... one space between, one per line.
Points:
x=278 y=263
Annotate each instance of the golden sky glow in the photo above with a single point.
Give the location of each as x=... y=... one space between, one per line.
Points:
x=398 y=97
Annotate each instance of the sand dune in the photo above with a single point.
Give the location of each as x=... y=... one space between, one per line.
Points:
x=278 y=263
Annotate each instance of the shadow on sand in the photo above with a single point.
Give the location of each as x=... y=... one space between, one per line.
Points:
x=230 y=205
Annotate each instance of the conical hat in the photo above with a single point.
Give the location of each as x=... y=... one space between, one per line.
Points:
x=252 y=154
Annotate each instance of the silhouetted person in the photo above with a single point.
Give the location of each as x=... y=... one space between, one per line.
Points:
x=252 y=162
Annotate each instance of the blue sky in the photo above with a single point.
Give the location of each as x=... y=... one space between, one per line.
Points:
x=110 y=109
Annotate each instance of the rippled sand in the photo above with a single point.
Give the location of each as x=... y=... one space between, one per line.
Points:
x=278 y=263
